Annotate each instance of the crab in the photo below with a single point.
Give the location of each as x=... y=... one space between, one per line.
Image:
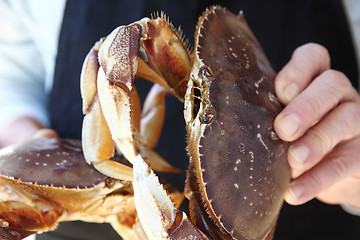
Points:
x=238 y=171
x=46 y=181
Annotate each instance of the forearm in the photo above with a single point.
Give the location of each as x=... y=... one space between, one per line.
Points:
x=22 y=80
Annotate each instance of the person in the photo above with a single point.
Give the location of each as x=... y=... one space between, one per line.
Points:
x=321 y=117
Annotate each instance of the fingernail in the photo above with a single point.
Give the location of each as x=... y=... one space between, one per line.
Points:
x=299 y=153
x=291 y=91
x=289 y=124
x=296 y=190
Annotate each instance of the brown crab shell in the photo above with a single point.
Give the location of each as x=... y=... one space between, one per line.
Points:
x=49 y=161
x=54 y=170
x=239 y=162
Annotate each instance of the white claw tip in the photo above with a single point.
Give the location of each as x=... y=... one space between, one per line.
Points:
x=140 y=169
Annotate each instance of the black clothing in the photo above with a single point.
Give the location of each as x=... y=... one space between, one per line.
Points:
x=279 y=25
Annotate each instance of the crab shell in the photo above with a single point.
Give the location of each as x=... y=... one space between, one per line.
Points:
x=45 y=181
x=238 y=167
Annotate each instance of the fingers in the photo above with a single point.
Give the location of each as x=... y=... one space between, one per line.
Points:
x=307 y=62
x=342 y=123
x=322 y=121
x=323 y=94
x=339 y=166
x=345 y=192
x=46 y=132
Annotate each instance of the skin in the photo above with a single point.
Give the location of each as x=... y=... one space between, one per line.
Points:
x=321 y=120
x=23 y=128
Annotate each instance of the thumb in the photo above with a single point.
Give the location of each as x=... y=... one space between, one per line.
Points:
x=46 y=132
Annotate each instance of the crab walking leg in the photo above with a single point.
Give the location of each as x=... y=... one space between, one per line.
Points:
x=22 y=216
x=157 y=214
x=152 y=120
x=89 y=76
x=153 y=114
x=101 y=82
x=8 y=206
x=97 y=140
x=98 y=144
x=99 y=147
x=96 y=137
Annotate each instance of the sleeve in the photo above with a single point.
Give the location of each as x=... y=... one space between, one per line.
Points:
x=351 y=210
x=22 y=73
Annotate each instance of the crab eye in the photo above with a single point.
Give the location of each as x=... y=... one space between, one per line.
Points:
x=208 y=116
x=206 y=73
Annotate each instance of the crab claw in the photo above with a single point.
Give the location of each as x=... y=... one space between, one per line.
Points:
x=156 y=211
x=151 y=49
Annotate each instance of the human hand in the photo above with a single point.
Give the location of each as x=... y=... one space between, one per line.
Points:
x=322 y=121
x=23 y=128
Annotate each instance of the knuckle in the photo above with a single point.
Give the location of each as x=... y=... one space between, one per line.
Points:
x=351 y=122
x=332 y=170
x=339 y=167
x=316 y=50
x=316 y=182
x=322 y=142
x=311 y=106
x=321 y=51
x=336 y=80
x=339 y=86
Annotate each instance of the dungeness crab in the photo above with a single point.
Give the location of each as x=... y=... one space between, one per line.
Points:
x=46 y=181
x=238 y=170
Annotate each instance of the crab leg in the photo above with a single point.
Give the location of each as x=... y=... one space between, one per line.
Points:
x=153 y=115
x=15 y=213
x=19 y=219
x=96 y=134
x=150 y=49
x=158 y=216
